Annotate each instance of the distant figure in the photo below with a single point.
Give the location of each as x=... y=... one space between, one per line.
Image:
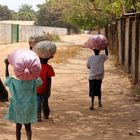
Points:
x=44 y=91
x=95 y=64
x=33 y=40
x=23 y=103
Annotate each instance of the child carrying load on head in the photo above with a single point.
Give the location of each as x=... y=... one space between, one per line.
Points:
x=23 y=103
x=45 y=50
x=95 y=64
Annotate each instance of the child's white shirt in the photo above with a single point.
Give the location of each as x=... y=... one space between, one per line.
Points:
x=95 y=64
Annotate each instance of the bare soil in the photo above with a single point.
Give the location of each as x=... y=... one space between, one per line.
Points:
x=70 y=118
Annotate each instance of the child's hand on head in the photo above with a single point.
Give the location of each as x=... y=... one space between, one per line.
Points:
x=6 y=61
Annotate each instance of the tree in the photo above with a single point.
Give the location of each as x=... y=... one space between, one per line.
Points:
x=47 y=16
x=89 y=14
x=26 y=13
x=132 y=5
x=84 y=14
x=5 y=13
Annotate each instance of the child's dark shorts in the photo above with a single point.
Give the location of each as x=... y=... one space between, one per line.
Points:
x=95 y=87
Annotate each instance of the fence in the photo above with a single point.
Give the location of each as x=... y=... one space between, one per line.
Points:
x=124 y=42
x=11 y=33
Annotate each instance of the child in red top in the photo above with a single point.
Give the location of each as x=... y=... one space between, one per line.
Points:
x=44 y=91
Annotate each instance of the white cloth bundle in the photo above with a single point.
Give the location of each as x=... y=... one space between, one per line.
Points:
x=45 y=49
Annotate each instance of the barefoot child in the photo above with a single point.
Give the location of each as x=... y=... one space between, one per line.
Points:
x=45 y=50
x=23 y=103
x=95 y=64
x=44 y=91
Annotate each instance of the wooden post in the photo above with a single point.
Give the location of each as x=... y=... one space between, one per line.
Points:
x=137 y=43
x=115 y=39
x=131 y=19
x=126 y=47
x=122 y=39
x=128 y=42
x=135 y=49
x=119 y=42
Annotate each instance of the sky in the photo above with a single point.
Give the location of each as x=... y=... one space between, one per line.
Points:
x=15 y=4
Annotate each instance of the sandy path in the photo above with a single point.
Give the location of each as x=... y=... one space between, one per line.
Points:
x=71 y=119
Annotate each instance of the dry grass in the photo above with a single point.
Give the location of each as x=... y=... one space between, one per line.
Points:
x=63 y=54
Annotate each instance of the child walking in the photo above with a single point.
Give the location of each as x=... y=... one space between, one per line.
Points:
x=44 y=91
x=45 y=50
x=23 y=103
x=95 y=64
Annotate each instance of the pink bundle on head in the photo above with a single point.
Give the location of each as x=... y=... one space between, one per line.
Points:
x=98 y=42
x=26 y=64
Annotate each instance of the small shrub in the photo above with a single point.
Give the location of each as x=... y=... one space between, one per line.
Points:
x=63 y=54
x=55 y=37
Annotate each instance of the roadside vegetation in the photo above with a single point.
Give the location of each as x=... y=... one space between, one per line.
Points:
x=65 y=53
x=73 y=14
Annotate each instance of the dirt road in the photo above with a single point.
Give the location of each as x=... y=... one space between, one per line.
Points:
x=71 y=119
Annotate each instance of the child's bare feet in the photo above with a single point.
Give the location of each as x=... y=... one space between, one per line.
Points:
x=39 y=120
x=46 y=117
x=100 y=105
x=91 y=108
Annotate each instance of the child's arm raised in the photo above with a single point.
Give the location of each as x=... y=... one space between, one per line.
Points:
x=6 y=67
x=87 y=64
